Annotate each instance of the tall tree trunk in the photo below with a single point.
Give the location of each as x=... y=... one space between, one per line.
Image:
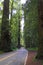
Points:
x=11 y=11
x=19 y=45
x=40 y=14
x=5 y=34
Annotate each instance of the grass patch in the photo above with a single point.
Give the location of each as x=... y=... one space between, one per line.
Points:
x=42 y=62
x=1 y=52
x=32 y=49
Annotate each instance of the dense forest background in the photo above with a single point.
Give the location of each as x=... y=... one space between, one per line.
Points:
x=31 y=23
x=11 y=35
x=15 y=13
x=29 y=35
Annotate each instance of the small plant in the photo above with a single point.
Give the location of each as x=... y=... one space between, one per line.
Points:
x=1 y=52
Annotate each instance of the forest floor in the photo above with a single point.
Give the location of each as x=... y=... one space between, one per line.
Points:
x=30 y=59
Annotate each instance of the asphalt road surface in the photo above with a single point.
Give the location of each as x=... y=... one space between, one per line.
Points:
x=14 y=58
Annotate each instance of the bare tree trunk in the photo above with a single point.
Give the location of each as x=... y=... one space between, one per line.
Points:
x=11 y=11
x=40 y=14
x=5 y=34
x=19 y=17
x=19 y=45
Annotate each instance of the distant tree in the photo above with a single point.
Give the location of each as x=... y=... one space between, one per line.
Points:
x=11 y=11
x=19 y=34
x=19 y=27
x=5 y=35
x=15 y=12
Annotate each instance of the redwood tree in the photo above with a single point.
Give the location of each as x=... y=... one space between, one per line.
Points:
x=40 y=15
x=5 y=34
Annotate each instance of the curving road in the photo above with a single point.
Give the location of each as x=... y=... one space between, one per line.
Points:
x=14 y=58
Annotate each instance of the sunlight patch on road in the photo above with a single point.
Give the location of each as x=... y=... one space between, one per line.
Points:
x=2 y=59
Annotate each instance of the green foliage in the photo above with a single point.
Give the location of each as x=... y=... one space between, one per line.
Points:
x=31 y=24
x=32 y=49
x=1 y=52
x=14 y=12
x=14 y=21
x=1 y=13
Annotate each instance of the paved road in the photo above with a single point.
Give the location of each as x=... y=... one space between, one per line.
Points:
x=13 y=58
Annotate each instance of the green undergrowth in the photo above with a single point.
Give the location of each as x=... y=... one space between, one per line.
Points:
x=42 y=63
x=32 y=49
x=1 y=52
x=14 y=49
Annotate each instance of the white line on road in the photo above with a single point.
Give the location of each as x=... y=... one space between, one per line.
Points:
x=25 y=59
x=2 y=59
